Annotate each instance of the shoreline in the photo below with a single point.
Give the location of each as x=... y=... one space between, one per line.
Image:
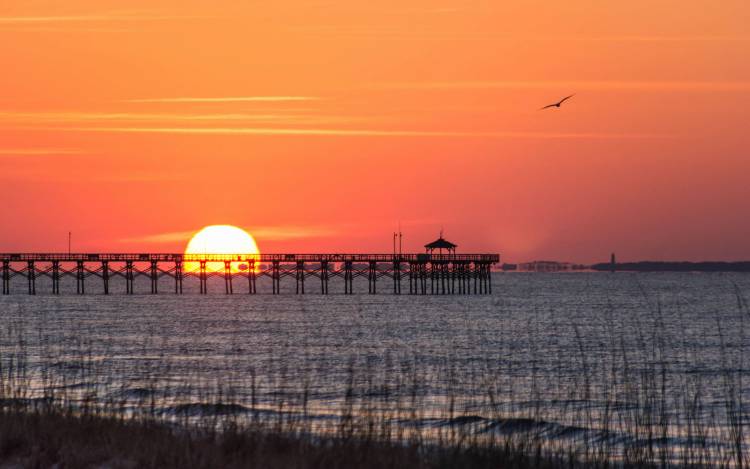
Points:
x=53 y=438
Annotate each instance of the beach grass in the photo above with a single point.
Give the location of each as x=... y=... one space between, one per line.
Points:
x=631 y=407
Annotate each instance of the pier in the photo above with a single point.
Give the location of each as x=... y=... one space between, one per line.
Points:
x=425 y=274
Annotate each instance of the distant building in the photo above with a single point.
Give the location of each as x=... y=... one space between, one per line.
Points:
x=545 y=266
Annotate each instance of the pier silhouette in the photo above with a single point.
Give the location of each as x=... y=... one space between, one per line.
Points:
x=428 y=273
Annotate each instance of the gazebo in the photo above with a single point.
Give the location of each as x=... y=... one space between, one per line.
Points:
x=440 y=244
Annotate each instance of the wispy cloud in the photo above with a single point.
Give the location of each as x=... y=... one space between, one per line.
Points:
x=43 y=174
x=61 y=29
x=630 y=38
x=161 y=238
x=39 y=151
x=301 y=132
x=99 y=22
x=60 y=19
x=93 y=17
x=260 y=233
x=281 y=233
x=119 y=117
x=227 y=99
x=406 y=34
x=575 y=84
x=646 y=38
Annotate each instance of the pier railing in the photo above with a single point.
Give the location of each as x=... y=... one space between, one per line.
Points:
x=426 y=273
x=166 y=257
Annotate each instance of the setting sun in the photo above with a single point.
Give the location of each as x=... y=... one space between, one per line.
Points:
x=221 y=239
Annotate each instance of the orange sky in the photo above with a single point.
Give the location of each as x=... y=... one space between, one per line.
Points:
x=318 y=126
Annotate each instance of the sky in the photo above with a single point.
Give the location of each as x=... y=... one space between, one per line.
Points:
x=323 y=126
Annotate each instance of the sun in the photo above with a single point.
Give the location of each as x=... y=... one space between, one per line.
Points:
x=221 y=239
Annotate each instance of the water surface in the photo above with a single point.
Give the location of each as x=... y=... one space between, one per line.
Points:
x=592 y=355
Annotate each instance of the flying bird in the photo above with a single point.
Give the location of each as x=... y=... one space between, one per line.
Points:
x=557 y=104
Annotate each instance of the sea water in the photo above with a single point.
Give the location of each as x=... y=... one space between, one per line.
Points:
x=574 y=356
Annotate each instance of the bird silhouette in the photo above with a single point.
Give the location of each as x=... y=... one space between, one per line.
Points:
x=557 y=104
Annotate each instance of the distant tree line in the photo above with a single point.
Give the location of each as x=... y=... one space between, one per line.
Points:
x=654 y=266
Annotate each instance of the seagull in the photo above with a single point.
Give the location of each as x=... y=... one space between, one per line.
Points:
x=557 y=104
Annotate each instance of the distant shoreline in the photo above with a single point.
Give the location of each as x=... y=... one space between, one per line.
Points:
x=639 y=266
x=679 y=266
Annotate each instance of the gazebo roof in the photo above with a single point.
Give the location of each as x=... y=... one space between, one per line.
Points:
x=440 y=243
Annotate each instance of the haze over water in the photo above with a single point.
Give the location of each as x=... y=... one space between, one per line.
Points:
x=561 y=354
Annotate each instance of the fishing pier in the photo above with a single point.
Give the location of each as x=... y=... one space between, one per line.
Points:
x=428 y=273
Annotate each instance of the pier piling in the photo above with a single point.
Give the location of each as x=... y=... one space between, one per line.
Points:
x=105 y=276
x=203 y=278
x=276 y=277
x=31 y=276
x=300 y=277
x=228 y=278
x=80 y=278
x=129 y=277
x=348 y=278
x=6 y=277
x=397 y=277
x=178 y=277
x=372 y=277
x=55 y=277
x=251 y=277
x=154 y=277
x=324 y=277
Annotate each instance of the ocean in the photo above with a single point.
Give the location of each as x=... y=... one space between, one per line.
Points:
x=626 y=360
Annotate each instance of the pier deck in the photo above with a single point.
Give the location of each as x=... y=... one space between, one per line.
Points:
x=425 y=273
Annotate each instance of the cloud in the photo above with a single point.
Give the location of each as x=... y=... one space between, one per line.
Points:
x=227 y=99
x=281 y=233
x=161 y=238
x=93 y=17
x=630 y=38
x=88 y=22
x=35 y=174
x=39 y=151
x=304 y=132
x=261 y=233
x=650 y=38
x=119 y=117
x=400 y=33
x=59 y=19
x=575 y=84
x=52 y=29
